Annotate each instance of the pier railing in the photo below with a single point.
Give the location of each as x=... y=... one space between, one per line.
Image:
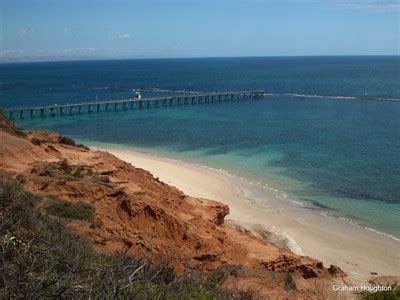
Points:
x=128 y=104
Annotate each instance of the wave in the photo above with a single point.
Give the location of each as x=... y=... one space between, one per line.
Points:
x=295 y=95
x=365 y=98
x=130 y=88
x=382 y=233
x=354 y=222
x=196 y=92
x=318 y=208
x=323 y=210
x=161 y=90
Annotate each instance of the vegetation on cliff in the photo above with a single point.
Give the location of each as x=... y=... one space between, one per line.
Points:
x=40 y=257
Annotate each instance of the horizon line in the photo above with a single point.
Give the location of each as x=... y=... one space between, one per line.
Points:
x=191 y=57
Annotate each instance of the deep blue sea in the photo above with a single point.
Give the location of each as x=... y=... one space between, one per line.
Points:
x=317 y=135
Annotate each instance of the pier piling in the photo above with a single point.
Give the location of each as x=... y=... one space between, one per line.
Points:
x=53 y=110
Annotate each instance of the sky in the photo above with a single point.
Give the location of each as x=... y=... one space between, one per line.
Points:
x=33 y=30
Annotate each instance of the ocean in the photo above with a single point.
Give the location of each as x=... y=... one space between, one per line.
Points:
x=322 y=136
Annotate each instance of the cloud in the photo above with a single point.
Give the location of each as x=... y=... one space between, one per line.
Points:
x=72 y=50
x=27 y=30
x=124 y=36
x=70 y=29
x=382 y=6
x=12 y=52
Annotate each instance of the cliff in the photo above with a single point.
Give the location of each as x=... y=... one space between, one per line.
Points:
x=137 y=214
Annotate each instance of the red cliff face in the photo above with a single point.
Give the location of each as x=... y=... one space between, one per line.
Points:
x=136 y=213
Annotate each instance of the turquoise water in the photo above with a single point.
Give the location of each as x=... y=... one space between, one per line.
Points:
x=337 y=154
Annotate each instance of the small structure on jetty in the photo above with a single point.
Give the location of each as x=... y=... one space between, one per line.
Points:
x=128 y=104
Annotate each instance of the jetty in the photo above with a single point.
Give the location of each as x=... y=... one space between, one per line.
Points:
x=128 y=104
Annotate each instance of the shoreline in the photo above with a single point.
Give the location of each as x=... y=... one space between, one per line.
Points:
x=357 y=250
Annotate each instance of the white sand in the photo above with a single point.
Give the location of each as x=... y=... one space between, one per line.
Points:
x=356 y=250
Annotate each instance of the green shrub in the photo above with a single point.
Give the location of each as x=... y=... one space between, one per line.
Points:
x=36 y=142
x=82 y=146
x=103 y=179
x=66 y=140
x=78 y=173
x=41 y=258
x=77 y=211
x=290 y=283
x=394 y=294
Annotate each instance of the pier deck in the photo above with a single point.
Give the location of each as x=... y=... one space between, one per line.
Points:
x=128 y=104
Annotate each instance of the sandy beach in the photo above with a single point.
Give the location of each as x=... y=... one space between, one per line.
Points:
x=358 y=251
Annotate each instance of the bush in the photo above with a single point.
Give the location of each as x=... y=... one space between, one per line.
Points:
x=82 y=146
x=66 y=140
x=78 y=172
x=290 y=283
x=36 y=142
x=46 y=171
x=103 y=179
x=394 y=294
x=77 y=211
x=64 y=166
x=41 y=258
